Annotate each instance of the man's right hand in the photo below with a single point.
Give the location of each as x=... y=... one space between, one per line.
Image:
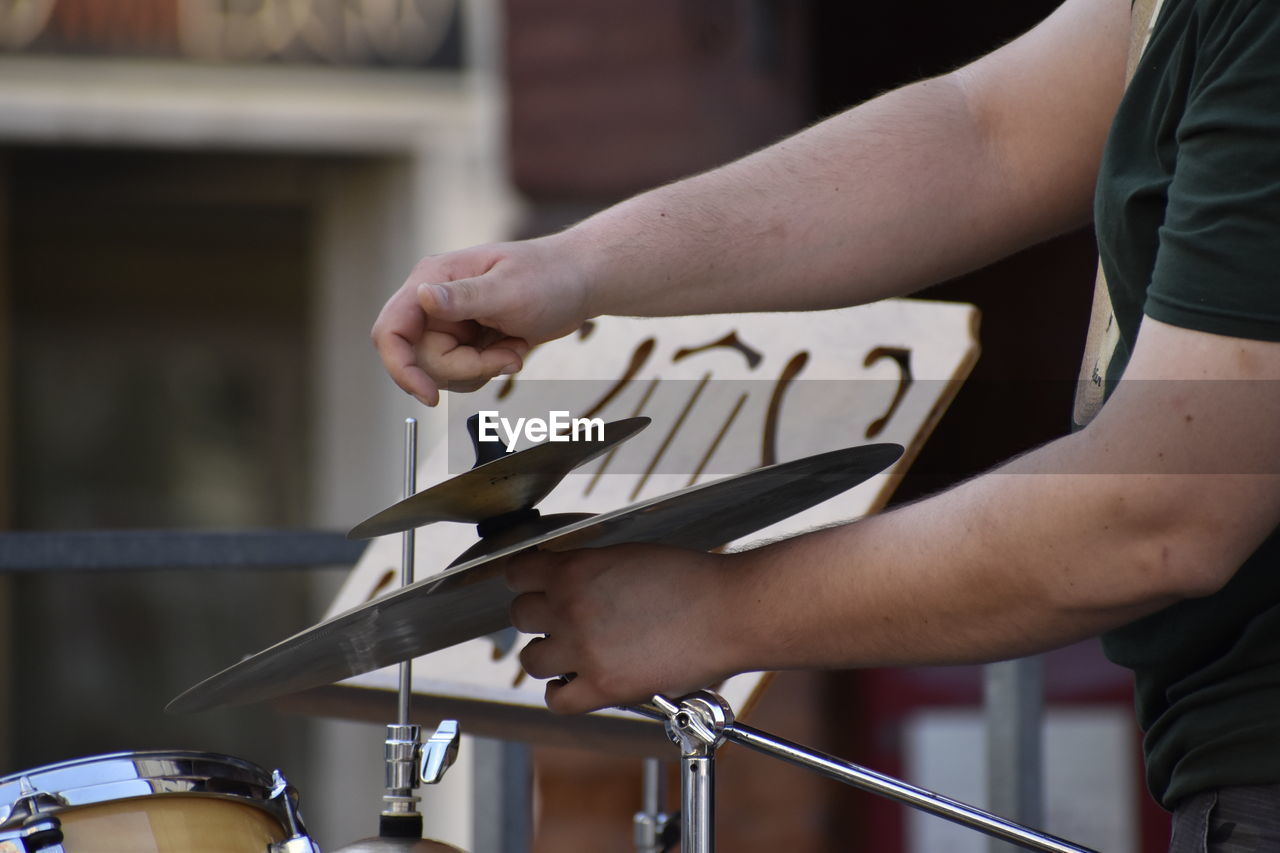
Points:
x=462 y=318
x=917 y=186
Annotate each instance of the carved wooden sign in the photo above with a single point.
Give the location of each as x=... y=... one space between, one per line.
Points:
x=727 y=393
x=403 y=33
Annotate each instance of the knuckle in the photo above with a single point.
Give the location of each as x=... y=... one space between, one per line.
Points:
x=529 y=659
x=425 y=265
x=608 y=683
x=565 y=698
x=573 y=565
x=574 y=609
x=516 y=612
x=463 y=292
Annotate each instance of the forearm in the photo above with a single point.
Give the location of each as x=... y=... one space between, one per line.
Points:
x=904 y=191
x=1161 y=498
x=1015 y=562
x=913 y=187
x=881 y=200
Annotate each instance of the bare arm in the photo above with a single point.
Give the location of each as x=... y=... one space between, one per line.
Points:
x=1161 y=498
x=913 y=187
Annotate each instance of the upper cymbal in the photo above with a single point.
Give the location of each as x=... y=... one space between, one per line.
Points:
x=471 y=599
x=509 y=483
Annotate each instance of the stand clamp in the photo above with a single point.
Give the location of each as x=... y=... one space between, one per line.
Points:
x=410 y=764
x=702 y=721
x=698 y=726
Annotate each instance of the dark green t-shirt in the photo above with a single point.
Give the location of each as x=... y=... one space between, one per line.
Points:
x=1188 y=219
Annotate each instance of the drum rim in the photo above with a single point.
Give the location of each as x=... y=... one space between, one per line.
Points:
x=117 y=776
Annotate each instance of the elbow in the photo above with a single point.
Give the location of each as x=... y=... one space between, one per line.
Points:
x=1185 y=537
x=1149 y=550
x=1173 y=565
x=1139 y=572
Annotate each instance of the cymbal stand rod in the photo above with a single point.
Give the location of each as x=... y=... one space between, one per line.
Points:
x=887 y=786
x=407 y=555
x=698 y=803
x=702 y=721
x=650 y=824
x=400 y=817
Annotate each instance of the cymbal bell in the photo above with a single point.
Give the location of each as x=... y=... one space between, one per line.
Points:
x=520 y=532
x=472 y=599
x=509 y=483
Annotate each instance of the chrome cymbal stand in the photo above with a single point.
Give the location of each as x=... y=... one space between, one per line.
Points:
x=408 y=763
x=700 y=722
x=652 y=824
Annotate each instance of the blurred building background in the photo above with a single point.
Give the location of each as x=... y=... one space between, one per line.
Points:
x=204 y=203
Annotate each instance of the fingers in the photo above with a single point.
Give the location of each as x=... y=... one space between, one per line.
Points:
x=486 y=306
x=575 y=696
x=551 y=656
x=567 y=692
x=454 y=300
x=457 y=349
x=431 y=335
x=464 y=368
x=531 y=613
x=399 y=359
x=460 y=299
x=557 y=594
x=547 y=657
x=399 y=325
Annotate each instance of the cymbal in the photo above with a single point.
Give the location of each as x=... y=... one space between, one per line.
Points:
x=471 y=599
x=378 y=844
x=511 y=482
x=518 y=533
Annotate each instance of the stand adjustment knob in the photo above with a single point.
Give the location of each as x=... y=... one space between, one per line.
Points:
x=439 y=752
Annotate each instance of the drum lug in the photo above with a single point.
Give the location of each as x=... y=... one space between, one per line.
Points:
x=301 y=844
x=28 y=804
x=286 y=797
x=42 y=834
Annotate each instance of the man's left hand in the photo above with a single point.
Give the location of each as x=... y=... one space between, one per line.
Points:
x=623 y=623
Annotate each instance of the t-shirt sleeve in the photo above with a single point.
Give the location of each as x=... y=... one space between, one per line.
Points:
x=1218 y=264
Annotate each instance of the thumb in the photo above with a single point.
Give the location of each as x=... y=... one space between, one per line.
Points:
x=454 y=301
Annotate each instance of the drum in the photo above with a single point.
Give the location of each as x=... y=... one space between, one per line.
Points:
x=157 y=802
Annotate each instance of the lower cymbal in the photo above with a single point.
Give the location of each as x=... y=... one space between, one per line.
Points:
x=471 y=599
